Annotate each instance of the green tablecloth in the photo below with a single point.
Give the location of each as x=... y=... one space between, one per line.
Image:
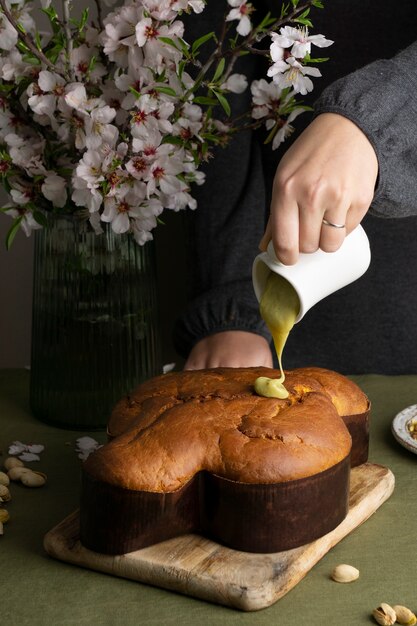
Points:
x=37 y=590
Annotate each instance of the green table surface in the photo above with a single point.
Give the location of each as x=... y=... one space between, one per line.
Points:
x=37 y=590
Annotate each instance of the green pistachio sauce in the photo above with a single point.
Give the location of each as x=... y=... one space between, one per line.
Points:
x=279 y=308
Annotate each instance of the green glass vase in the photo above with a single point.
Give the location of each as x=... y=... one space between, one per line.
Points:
x=94 y=322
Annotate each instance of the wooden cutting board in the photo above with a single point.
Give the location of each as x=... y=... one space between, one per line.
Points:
x=198 y=567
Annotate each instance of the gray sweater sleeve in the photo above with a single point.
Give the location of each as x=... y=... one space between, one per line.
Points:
x=380 y=100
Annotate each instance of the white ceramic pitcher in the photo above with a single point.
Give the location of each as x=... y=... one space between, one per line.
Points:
x=319 y=274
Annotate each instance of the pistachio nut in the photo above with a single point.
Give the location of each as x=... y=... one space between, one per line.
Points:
x=4 y=479
x=345 y=573
x=16 y=472
x=33 y=479
x=404 y=615
x=5 y=493
x=384 y=614
x=12 y=461
x=4 y=516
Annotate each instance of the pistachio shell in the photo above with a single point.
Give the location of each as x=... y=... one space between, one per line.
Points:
x=5 y=493
x=345 y=573
x=16 y=472
x=4 y=516
x=12 y=461
x=384 y=615
x=4 y=479
x=33 y=479
x=404 y=615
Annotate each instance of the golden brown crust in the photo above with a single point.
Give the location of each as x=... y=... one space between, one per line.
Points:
x=175 y=425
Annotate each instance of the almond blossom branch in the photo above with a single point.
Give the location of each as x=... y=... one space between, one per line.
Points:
x=66 y=7
x=256 y=37
x=27 y=40
x=99 y=13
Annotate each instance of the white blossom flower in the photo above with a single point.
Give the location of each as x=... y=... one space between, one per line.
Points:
x=54 y=189
x=161 y=10
x=27 y=224
x=22 y=193
x=86 y=195
x=183 y=5
x=26 y=452
x=43 y=95
x=26 y=151
x=81 y=58
x=285 y=128
x=163 y=175
x=98 y=128
x=156 y=52
x=291 y=73
x=85 y=446
x=145 y=221
x=298 y=40
x=241 y=11
x=8 y=34
x=266 y=97
x=12 y=66
x=118 y=209
x=236 y=83
x=119 y=34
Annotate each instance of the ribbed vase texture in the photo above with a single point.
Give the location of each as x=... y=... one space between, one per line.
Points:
x=94 y=326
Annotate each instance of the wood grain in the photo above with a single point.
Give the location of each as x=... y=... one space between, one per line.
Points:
x=198 y=567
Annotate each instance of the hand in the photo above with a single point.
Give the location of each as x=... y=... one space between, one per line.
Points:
x=231 y=348
x=330 y=171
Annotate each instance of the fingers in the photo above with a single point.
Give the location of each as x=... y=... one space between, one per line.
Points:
x=333 y=229
x=285 y=226
x=266 y=238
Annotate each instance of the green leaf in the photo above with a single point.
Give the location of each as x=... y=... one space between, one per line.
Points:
x=173 y=140
x=205 y=100
x=21 y=28
x=167 y=90
x=295 y=3
x=83 y=20
x=223 y=101
x=184 y=46
x=318 y=4
x=272 y=134
x=201 y=40
x=304 y=22
x=13 y=231
x=308 y=59
x=169 y=42
x=211 y=137
x=219 y=70
x=39 y=217
x=92 y=64
x=134 y=91
x=284 y=10
x=38 y=41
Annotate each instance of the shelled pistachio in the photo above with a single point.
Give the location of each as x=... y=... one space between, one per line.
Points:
x=16 y=472
x=4 y=516
x=12 y=461
x=345 y=573
x=5 y=493
x=33 y=479
x=4 y=479
x=404 y=615
x=384 y=614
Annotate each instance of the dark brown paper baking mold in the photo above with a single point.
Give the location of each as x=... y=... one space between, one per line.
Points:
x=242 y=516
